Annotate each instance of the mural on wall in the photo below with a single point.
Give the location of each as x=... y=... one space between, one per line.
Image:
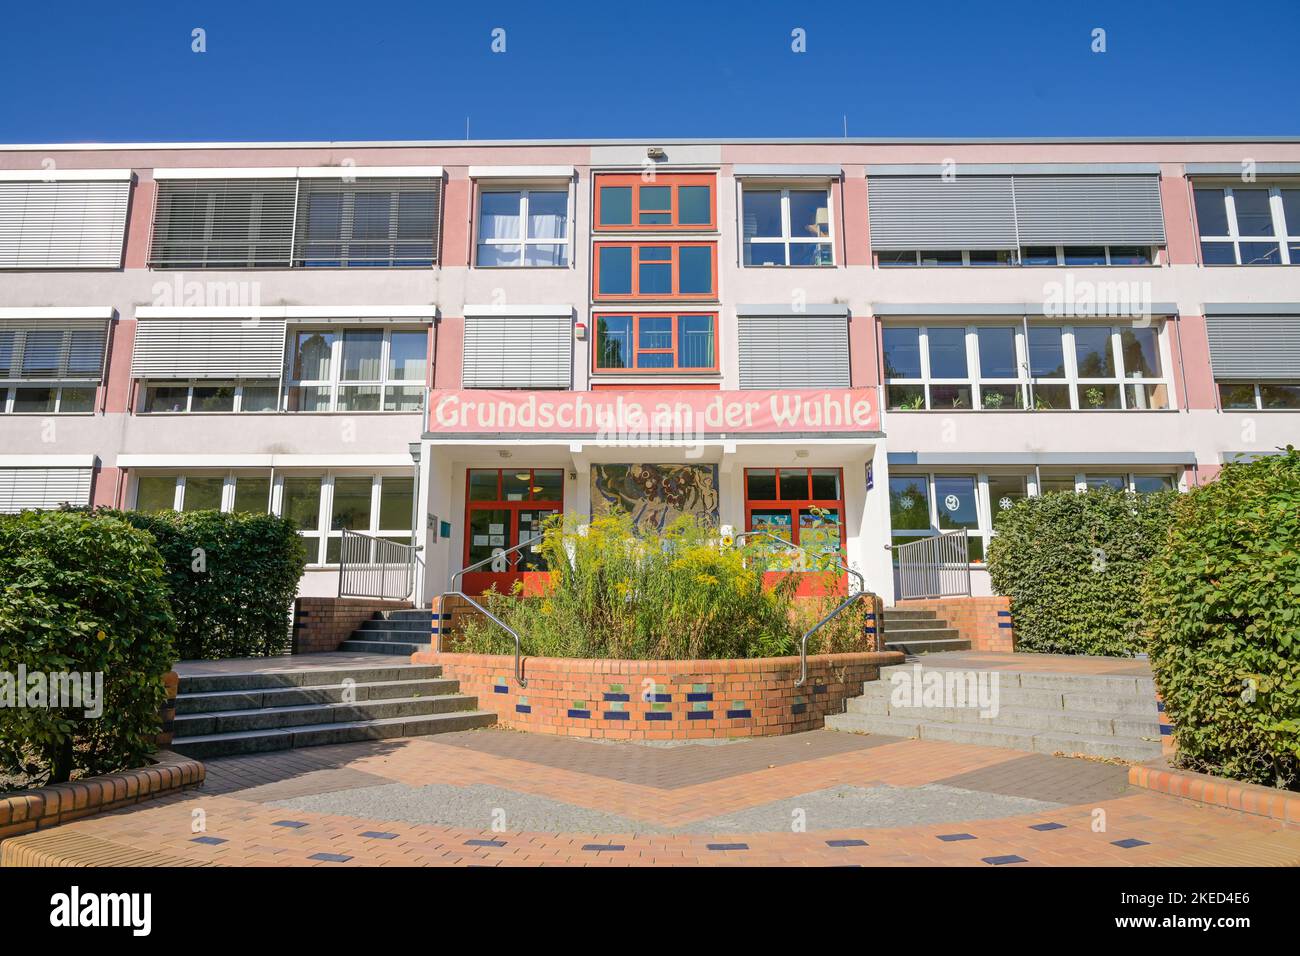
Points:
x=656 y=495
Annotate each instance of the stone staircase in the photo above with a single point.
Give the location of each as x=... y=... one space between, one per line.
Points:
x=1102 y=716
x=392 y=632
x=262 y=710
x=920 y=632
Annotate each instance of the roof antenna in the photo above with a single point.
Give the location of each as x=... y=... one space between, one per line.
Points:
x=846 y=125
x=466 y=127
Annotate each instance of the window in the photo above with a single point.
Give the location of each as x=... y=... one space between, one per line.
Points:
x=627 y=202
x=209 y=396
x=208 y=491
x=804 y=506
x=223 y=224
x=681 y=270
x=656 y=342
x=787 y=227
x=50 y=370
x=1138 y=483
x=367 y=223
x=921 y=506
x=995 y=367
x=523 y=227
x=947 y=257
x=357 y=370
x=505 y=507
x=1238 y=396
x=52 y=222
x=1087 y=255
x=1249 y=225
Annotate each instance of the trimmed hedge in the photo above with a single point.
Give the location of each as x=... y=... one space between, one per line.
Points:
x=233 y=578
x=80 y=593
x=1223 y=596
x=1072 y=564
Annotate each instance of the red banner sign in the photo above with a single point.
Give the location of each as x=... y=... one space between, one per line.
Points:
x=619 y=415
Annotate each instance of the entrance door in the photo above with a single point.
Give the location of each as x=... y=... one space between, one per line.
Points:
x=505 y=507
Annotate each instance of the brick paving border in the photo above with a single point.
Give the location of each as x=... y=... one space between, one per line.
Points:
x=1280 y=805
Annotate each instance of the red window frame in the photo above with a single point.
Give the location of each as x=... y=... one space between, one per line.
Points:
x=795 y=505
x=636 y=318
x=674 y=264
x=673 y=180
x=513 y=507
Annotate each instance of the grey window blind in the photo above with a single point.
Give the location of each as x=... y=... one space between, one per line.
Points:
x=512 y=352
x=369 y=222
x=925 y=212
x=1005 y=212
x=42 y=488
x=794 y=351
x=225 y=348
x=223 y=223
x=1100 y=210
x=72 y=350
x=1255 y=348
x=63 y=225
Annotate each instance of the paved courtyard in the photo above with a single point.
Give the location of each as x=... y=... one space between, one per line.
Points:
x=498 y=797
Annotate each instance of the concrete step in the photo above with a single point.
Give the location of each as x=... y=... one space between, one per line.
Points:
x=396 y=624
x=1048 y=720
x=1103 y=684
x=262 y=741
x=305 y=677
x=408 y=614
x=1016 y=738
x=272 y=718
x=925 y=645
x=919 y=626
x=225 y=700
x=1012 y=695
x=369 y=646
x=891 y=614
x=400 y=637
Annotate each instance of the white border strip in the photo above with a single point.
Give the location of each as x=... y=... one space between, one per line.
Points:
x=57 y=312
x=519 y=311
x=521 y=172
x=296 y=172
x=333 y=462
x=368 y=172
x=63 y=175
x=227 y=172
x=47 y=461
x=284 y=311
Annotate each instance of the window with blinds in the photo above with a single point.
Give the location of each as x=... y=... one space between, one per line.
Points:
x=389 y=222
x=63 y=225
x=23 y=489
x=223 y=224
x=73 y=351
x=208 y=348
x=1254 y=347
x=794 y=351
x=513 y=352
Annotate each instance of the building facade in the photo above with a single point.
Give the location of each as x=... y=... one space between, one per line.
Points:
x=850 y=343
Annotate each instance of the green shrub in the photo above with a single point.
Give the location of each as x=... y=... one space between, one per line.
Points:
x=670 y=596
x=81 y=593
x=1072 y=564
x=233 y=579
x=1223 y=601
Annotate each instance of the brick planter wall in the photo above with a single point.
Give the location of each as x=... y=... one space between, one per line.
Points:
x=688 y=699
x=323 y=623
x=171 y=681
x=984 y=621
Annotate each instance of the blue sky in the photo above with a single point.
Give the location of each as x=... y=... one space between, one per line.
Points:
x=379 y=70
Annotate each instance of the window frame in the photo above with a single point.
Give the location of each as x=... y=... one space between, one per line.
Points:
x=636 y=317
x=786 y=239
x=524 y=190
x=675 y=247
x=654 y=178
x=1024 y=381
x=335 y=382
x=501 y=503
x=190 y=385
x=1284 y=234
x=1257 y=387
x=796 y=505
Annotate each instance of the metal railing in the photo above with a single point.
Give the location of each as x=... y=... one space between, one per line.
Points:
x=938 y=566
x=455 y=591
x=819 y=558
x=373 y=567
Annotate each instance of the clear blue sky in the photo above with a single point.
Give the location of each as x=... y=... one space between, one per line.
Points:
x=379 y=70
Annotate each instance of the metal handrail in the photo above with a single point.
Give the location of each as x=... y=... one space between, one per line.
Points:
x=455 y=591
x=803 y=641
x=366 y=563
x=937 y=566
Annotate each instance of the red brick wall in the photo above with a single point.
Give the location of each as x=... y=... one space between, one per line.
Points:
x=698 y=699
x=984 y=621
x=323 y=623
x=171 y=682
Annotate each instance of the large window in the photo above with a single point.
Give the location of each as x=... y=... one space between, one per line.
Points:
x=506 y=507
x=366 y=223
x=1262 y=396
x=631 y=202
x=209 y=396
x=999 y=367
x=1249 y=225
x=357 y=370
x=945 y=257
x=523 y=227
x=804 y=506
x=1058 y=255
x=656 y=342
x=679 y=270
x=50 y=370
x=787 y=227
